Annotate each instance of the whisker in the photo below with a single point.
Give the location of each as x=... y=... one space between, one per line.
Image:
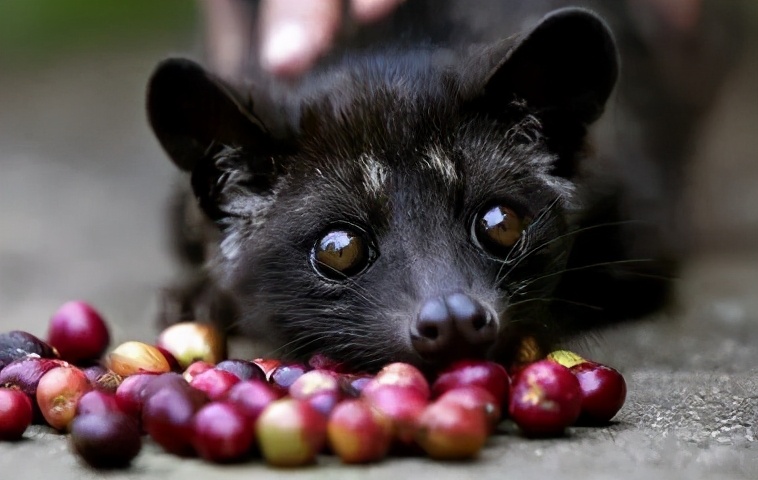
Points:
x=306 y=338
x=589 y=266
x=549 y=242
x=556 y=299
x=359 y=290
x=519 y=290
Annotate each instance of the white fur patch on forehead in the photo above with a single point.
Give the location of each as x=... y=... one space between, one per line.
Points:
x=438 y=162
x=374 y=174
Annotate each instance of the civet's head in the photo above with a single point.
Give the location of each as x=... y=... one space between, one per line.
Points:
x=398 y=206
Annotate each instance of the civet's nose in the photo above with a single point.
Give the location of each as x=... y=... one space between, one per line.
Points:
x=453 y=325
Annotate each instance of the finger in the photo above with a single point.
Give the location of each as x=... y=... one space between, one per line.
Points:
x=367 y=11
x=296 y=32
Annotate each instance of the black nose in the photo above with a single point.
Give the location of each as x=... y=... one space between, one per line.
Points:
x=453 y=325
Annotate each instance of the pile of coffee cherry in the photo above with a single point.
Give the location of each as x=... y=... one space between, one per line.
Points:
x=191 y=400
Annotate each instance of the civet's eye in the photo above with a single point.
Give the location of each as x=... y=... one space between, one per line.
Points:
x=342 y=253
x=498 y=228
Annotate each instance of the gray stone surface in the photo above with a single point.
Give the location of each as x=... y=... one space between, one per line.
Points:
x=82 y=192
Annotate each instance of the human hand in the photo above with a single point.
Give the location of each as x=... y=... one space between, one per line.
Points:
x=295 y=33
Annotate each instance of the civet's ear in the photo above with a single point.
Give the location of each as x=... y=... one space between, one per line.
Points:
x=190 y=111
x=563 y=70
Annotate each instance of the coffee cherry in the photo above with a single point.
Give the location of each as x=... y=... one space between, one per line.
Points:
x=167 y=417
x=402 y=375
x=476 y=398
x=131 y=358
x=129 y=393
x=320 y=388
x=566 y=358
x=173 y=363
x=221 y=433
x=106 y=440
x=545 y=399
x=603 y=391
x=243 y=369
x=402 y=405
x=96 y=401
x=15 y=413
x=268 y=365
x=195 y=369
x=353 y=385
x=16 y=345
x=190 y=342
x=290 y=433
x=252 y=397
x=157 y=382
x=450 y=431
x=215 y=383
x=284 y=375
x=358 y=433
x=58 y=393
x=103 y=379
x=487 y=375
x=78 y=332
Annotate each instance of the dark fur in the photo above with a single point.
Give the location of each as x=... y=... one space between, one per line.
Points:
x=273 y=167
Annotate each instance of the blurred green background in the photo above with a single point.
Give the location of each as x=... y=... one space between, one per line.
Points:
x=83 y=182
x=35 y=30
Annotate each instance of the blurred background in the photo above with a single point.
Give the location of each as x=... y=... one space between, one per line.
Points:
x=84 y=185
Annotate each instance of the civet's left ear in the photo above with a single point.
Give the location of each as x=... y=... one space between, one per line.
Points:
x=563 y=70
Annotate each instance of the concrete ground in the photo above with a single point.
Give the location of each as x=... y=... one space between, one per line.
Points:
x=82 y=193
